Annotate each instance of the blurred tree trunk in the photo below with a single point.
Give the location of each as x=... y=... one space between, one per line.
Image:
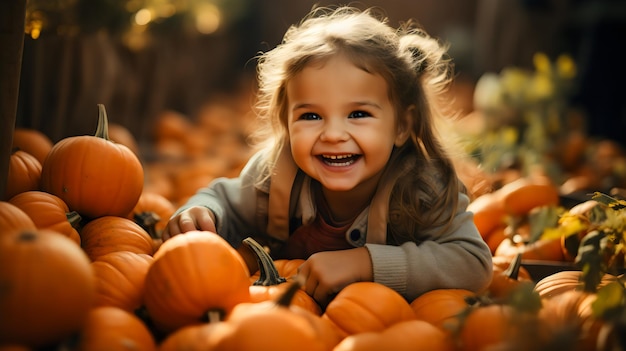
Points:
x=12 y=17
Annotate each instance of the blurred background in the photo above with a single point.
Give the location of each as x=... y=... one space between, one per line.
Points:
x=156 y=63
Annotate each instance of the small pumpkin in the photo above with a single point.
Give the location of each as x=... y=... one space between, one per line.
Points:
x=24 y=174
x=48 y=288
x=192 y=274
x=93 y=175
x=32 y=141
x=107 y=234
x=120 y=279
x=14 y=218
x=366 y=307
x=49 y=212
x=155 y=208
x=112 y=328
x=507 y=276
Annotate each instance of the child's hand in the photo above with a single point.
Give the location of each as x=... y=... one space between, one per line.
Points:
x=193 y=218
x=327 y=272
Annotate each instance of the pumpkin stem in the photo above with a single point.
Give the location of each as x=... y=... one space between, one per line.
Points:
x=268 y=273
x=214 y=316
x=285 y=298
x=102 y=130
x=74 y=218
x=148 y=220
x=512 y=271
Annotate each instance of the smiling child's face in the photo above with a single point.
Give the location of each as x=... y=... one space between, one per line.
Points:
x=342 y=125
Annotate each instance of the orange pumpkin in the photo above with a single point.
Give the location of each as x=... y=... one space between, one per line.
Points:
x=49 y=212
x=487 y=326
x=94 y=176
x=122 y=135
x=13 y=218
x=570 y=313
x=48 y=288
x=507 y=276
x=402 y=336
x=270 y=283
x=154 y=207
x=524 y=194
x=194 y=273
x=120 y=279
x=441 y=307
x=563 y=281
x=110 y=233
x=24 y=174
x=278 y=325
x=112 y=328
x=32 y=141
x=198 y=337
x=366 y=307
x=489 y=213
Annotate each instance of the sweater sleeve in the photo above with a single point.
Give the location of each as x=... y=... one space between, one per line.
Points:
x=233 y=201
x=458 y=258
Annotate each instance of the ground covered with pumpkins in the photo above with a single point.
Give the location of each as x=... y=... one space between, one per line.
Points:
x=82 y=265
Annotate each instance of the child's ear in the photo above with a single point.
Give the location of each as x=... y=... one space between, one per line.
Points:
x=405 y=126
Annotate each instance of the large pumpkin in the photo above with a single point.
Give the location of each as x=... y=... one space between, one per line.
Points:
x=110 y=233
x=49 y=212
x=93 y=175
x=192 y=274
x=47 y=288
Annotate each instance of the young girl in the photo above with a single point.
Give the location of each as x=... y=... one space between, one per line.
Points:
x=354 y=179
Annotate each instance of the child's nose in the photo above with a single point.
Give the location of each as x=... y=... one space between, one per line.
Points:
x=335 y=130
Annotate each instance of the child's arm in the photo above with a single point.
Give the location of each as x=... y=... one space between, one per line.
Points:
x=458 y=258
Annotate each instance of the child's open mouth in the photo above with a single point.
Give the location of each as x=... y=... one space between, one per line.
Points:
x=339 y=160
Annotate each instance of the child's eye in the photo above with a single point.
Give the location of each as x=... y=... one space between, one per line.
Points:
x=309 y=116
x=358 y=114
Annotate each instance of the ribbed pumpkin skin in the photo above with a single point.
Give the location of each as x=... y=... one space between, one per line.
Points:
x=120 y=279
x=24 y=174
x=47 y=212
x=48 y=287
x=14 y=218
x=32 y=141
x=95 y=177
x=366 y=307
x=112 y=328
x=193 y=273
x=110 y=233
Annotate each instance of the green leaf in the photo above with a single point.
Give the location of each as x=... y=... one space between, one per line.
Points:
x=610 y=299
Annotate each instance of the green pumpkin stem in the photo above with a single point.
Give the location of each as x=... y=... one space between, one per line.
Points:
x=74 y=218
x=512 y=271
x=284 y=300
x=268 y=273
x=102 y=131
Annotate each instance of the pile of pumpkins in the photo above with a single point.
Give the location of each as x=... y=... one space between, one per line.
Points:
x=82 y=267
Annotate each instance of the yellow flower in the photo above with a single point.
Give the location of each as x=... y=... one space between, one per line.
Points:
x=539 y=88
x=566 y=67
x=542 y=63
